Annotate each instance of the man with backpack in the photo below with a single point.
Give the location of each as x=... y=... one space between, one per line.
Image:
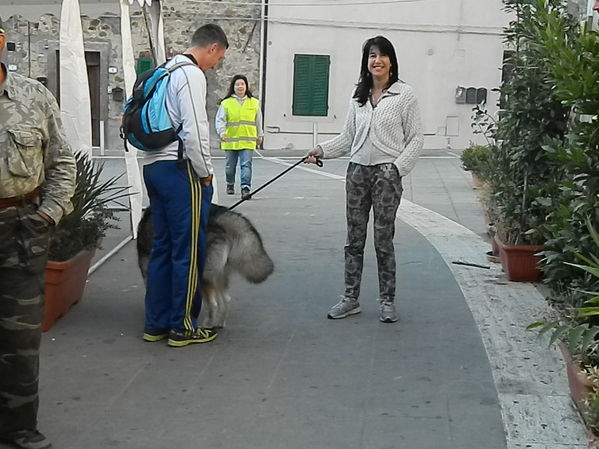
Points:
x=178 y=178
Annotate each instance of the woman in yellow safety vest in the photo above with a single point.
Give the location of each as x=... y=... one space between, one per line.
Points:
x=239 y=126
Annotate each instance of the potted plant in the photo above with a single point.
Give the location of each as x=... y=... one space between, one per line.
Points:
x=524 y=175
x=475 y=159
x=574 y=63
x=74 y=240
x=577 y=328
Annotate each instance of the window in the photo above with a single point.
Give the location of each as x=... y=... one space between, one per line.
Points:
x=142 y=65
x=311 y=85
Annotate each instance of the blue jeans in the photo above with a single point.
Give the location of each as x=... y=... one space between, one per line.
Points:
x=245 y=163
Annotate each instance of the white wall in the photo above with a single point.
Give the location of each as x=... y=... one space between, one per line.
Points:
x=440 y=44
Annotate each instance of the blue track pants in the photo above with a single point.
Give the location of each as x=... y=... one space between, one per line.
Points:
x=180 y=206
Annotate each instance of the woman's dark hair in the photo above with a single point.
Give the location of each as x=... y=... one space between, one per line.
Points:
x=231 y=91
x=365 y=82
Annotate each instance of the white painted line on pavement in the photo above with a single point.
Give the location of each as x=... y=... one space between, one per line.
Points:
x=107 y=256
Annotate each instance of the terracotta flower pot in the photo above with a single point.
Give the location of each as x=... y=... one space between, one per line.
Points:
x=64 y=285
x=579 y=383
x=519 y=261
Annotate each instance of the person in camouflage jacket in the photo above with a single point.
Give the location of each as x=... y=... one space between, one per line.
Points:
x=37 y=181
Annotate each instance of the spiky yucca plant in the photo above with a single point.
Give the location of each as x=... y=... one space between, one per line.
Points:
x=91 y=217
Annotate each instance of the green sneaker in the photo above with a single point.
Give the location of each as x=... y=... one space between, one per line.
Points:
x=178 y=339
x=154 y=337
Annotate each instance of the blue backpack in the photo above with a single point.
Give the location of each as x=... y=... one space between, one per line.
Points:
x=146 y=123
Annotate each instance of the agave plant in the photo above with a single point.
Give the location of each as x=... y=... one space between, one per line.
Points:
x=91 y=217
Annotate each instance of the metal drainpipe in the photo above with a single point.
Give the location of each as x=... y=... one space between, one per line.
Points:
x=263 y=46
x=261 y=67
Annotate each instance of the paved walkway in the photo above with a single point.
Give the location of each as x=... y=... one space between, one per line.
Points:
x=457 y=372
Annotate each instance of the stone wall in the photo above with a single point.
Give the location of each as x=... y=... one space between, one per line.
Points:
x=240 y=22
x=36 y=45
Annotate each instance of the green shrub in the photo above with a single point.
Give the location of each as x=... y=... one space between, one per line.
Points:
x=574 y=64
x=475 y=158
x=524 y=175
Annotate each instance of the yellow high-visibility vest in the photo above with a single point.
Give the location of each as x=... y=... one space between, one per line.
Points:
x=241 y=128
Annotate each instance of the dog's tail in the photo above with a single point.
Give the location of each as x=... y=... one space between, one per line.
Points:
x=257 y=268
x=247 y=255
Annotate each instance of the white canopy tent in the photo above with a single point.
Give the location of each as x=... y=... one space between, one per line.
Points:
x=75 y=103
x=131 y=163
x=74 y=88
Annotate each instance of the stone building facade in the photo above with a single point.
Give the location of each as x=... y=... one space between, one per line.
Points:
x=34 y=42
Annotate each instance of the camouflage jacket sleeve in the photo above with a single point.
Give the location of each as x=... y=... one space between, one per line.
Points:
x=59 y=166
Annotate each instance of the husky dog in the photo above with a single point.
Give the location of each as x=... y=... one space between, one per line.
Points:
x=233 y=246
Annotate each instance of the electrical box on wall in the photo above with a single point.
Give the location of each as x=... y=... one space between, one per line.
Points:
x=460 y=95
x=118 y=94
x=470 y=95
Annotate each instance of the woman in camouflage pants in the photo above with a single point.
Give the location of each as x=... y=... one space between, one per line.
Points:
x=383 y=135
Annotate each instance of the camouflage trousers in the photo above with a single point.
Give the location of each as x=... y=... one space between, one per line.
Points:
x=377 y=187
x=23 y=253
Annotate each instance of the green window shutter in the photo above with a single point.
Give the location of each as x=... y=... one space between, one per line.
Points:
x=311 y=85
x=143 y=65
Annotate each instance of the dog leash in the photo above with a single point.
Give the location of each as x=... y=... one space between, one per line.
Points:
x=318 y=162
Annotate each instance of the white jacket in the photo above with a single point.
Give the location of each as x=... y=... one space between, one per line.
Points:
x=186 y=105
x=394 y=126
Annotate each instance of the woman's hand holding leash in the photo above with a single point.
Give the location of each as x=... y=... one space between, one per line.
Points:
x=314 y=156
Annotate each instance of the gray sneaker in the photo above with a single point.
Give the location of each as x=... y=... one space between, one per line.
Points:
x=344 y=308
x=388 y=312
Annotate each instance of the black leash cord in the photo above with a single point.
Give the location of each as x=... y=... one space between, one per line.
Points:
x=318 y=162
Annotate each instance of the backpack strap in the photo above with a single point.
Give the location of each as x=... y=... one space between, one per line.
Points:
x=178 y=65
x=181 y=146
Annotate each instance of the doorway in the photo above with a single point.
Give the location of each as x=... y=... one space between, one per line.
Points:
x=92 y=62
